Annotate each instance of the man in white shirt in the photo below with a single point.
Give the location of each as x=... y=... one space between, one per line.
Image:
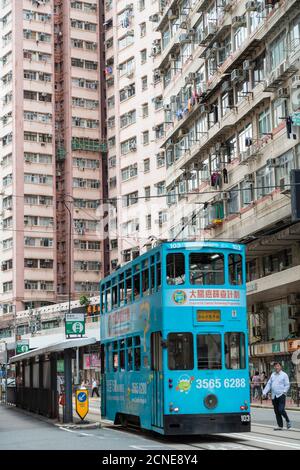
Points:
x=279 y=385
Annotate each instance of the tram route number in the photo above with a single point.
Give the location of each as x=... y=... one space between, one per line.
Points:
x=217 y=383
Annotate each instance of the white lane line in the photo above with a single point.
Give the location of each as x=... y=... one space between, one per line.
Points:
x=264 y=440
x=148 y=447
x=272 y=426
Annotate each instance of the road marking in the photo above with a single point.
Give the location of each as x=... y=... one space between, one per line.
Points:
x=264 y=440
x=270 y=426
x=147 y=447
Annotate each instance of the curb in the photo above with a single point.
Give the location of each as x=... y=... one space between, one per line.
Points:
x=78 y=426
x=269 y=407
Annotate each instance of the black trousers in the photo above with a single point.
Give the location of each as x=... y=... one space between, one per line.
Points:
x=279 y=408
x=95 y=389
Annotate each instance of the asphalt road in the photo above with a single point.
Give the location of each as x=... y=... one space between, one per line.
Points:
x=20 y=431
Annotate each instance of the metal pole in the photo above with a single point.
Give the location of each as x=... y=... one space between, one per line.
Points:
x=5 y=372
x=68 y=407
x=77 y=366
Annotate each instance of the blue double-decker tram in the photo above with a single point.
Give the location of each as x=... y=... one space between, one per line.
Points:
x=174 y=340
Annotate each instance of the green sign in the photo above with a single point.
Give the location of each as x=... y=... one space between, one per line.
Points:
x=22 y=346
x=75 y=324
x=60 y=366
x=276 y=347
x=296 y=119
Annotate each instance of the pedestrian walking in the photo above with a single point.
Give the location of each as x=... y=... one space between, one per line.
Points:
x=263 y=380
x=279 y=385
x=256 y=385
x=95 y=388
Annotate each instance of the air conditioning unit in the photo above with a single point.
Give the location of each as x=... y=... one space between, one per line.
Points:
x=172 y=99
x=167 y=107
x=237 y=75
x=283 y=93
x=182 y=132
x=225 y=196
x=172 y=15
x=296 y=81
x=226 y=86
x=172 y=56
x=154 y=18
x=252 y=6
x=132 y=147
x=238 y=22
x=293 y=299
x=156 y=42
x=272 y=163
x=249 y=178
x=184 y=38
x=211 y=28
x=249 y=64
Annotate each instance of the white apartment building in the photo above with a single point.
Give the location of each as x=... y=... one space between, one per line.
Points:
x=135 y=129
x=231 y=93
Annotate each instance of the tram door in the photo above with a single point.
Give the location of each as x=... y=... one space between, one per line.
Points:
x=157 y=382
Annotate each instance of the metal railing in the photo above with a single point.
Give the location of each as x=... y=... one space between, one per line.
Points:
x=292 y=399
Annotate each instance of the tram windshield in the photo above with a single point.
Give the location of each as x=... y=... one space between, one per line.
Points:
x=207 y=268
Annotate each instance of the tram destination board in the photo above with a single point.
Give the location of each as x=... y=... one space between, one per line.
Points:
x=208 y=315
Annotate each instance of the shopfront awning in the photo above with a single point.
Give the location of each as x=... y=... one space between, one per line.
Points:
x=54 y=347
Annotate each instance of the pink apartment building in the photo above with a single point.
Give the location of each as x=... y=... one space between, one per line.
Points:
x=52 y=151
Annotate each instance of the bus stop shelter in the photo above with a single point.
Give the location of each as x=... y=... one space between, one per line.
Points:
x=36 y=378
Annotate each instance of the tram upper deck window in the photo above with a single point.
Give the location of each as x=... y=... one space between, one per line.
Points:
x=180 y=351
x=209 y=352
x=207 y=269
x=235 y=263
x=175 y=269
x=235 y=355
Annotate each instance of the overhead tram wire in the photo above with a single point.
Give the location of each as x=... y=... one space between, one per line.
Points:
x=191 y=193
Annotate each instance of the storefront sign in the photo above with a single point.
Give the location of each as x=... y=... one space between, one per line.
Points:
x=293 y=345
x=91 y=361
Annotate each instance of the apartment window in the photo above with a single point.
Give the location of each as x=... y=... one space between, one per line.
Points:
x=142 y=30
x=145 y=137
x=161 y=188
x=278 y=51
x=129 y=172
x=147 y=191
x=145 y=110
x=264 y=122
x=143 y=56
x=141 y=5
x=160 y=160
x=148 y=222
x=247 y=195
x=128 y=146
x=144 y=83
x=264 y=181
x=279 y=112
x=130 y=199
x=233 y=204
x=146 y=165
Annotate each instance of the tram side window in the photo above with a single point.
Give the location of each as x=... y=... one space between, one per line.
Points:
x=207 y=269
x=122 y=289
x=136 y=286
x=137 y=353
x=235 y=263
x=129 y=354
x=115 y=354
x=180 y=351
x=209 y=352
x=152 y=278
x=128 y=286
x=114 y=295
x=158 y=273
x=102 y=301
x=145 y=280
x=235 y=351
x=175 y=269
x=122 y=355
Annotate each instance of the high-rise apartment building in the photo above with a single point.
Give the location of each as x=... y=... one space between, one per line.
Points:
x=231 y=92
x=135 y=128
x=52 y=152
